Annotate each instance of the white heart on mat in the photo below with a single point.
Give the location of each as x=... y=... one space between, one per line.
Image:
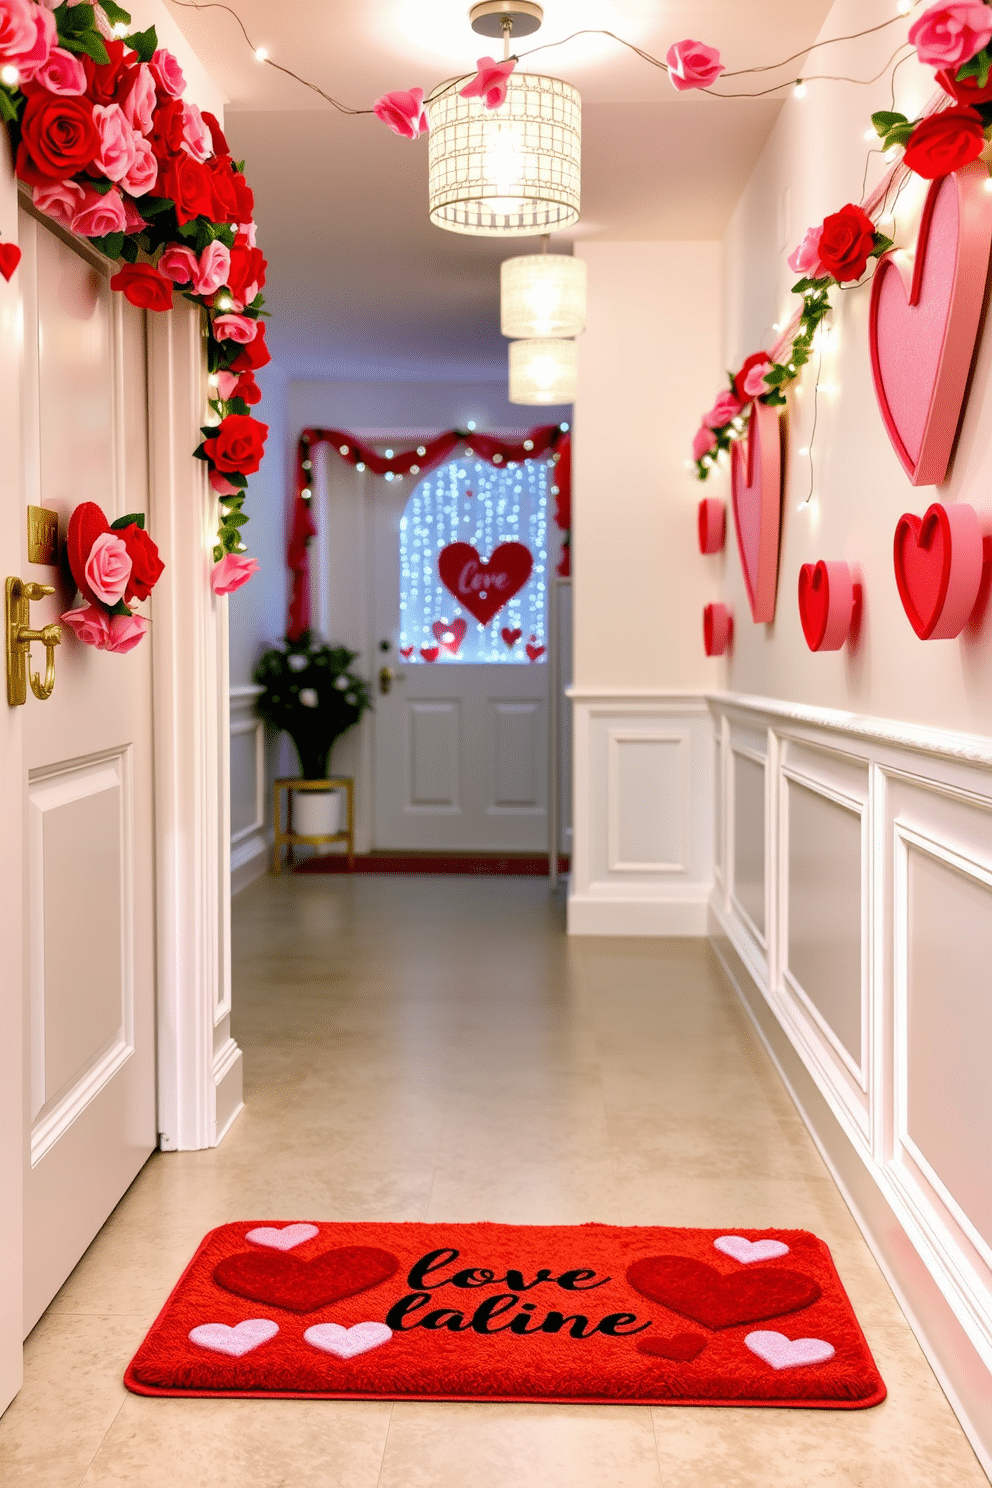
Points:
x=788 y=1353
x=747 y=1251
x=347 y=1342
x=286 y=1238
x=238 y=1340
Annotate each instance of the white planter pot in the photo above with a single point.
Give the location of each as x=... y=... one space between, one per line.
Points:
x=317 y=814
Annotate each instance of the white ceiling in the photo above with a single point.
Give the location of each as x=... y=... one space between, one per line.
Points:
x=360 y=284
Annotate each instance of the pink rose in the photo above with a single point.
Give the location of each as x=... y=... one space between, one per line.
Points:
x=196 y=136
x=99 y=215
x=90 y=625
x=213 y=268
x=63 y=74
x=139 y=105
x=117 y=153
x=949 y=34
x=179 y=264
x=726 y=408
x=27 y=34
x=246 y=230
x=704 y=441
x=61 y=201
x=125 y=633
x=235 y=328
x=142 y=176
x=754 y=383
x=220 y=483
x=108 y=567
x=133 y=220
x=403 y=112
x=805 y=259
x=692 y=64
x=167 y=73
x=490 y=82
x=226 y=383
x=233 y=570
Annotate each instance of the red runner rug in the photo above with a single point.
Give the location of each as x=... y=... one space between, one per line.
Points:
x=514 y=865
x=583 y=1313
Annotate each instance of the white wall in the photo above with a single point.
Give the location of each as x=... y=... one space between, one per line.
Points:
x=414 y=407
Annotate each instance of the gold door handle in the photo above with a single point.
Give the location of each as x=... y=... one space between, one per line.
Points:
x=19 y=637
x=386 y=675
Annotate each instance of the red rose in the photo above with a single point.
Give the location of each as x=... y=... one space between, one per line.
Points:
x=248 y=389
x=146 y=565
x=846 y=243
x=166 y=138
x=144 y=287
x=222 y=184
x=247 y=268
x=256 y=354
x=187 y=184
x=58 y=138
x=755 y=360
x=944 y=142
x=245 y=198
x=238 y=445
x=964 y=90
x=109 y=82
x=220 y=144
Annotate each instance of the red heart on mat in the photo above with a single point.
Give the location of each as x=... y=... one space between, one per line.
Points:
x=86 y=524
x=484 y=585
x=699 y=1292
x=283 y=1280
x=681 y=1348
x=10 y=257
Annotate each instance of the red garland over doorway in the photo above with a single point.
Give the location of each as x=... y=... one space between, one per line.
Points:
x=418 y=460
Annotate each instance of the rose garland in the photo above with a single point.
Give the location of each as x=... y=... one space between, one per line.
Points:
x=115 y=565
x=955 y=38
x=110 y=151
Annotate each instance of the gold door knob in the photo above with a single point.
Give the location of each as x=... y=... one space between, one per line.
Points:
x=386 y=675
x=19 y=637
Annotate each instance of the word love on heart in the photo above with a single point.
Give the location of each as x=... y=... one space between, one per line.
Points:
x=432 y=1273
x=484 y=585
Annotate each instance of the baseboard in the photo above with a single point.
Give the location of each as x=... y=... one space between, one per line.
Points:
x=593 y=914
x=228 y=1069
x=952 y=1356
x=249 y=861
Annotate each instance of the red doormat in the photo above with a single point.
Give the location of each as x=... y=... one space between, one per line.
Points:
x=524 y=865
x=582 y=1313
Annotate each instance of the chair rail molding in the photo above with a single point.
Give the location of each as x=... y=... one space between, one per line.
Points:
x=852 y=911
x=642 y=856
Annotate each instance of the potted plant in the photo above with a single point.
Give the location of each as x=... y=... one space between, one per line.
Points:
x=309 y=691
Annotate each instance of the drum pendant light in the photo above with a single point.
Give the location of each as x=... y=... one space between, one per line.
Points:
x=543 y=371
x=543 y=294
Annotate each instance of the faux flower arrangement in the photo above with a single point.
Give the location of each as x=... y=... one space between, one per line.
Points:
x=115 y=565
x=112 y=152
x=955 y=38
x=310 y=692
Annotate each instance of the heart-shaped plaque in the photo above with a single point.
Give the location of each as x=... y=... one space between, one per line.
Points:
x=756 y=489
x=283 y=1280
x=10 y=257
x=828 y=597
x=484 y=585
x=701 y=1293
x=939 y=561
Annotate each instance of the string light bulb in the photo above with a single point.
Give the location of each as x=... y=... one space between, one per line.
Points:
x=800 y=89
x=9 y=75
x=261 y=54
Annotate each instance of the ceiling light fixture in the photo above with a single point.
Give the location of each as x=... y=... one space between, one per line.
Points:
x=543 y=372
x=542 y=294
x=513 y=171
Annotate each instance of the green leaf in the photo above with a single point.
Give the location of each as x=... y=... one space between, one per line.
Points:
x=882 y=243
x=899 y=135
x=200 y=454
x=188 y=229
x=120 y=608
x=133 y=519
x=7 y=110
x=884 y=120
x=89 y=43
x=234 y=519
x=145 y=43
x=71 y=19
x=129 y=252
x=111 y=246
x=115 y=14
x=151 y=206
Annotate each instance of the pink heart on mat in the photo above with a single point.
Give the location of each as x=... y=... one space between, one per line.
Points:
x=347 y=1342
x=788 y=1353
x=286 y=1237
x=748 y=1251
x=238 y=1340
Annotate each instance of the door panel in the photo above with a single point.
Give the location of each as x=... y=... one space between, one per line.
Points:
x=432 y=744
x=89 y=997
x=515 y=732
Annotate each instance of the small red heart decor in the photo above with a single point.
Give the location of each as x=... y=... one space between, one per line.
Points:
x=511 y=637
x=10 y=257
x=702 y=1294
x=430 y=653
x=534 y=652
x=712 y=523
x=406 y=652
x=484 y=585
x=756 y=487
x=682 y=1348
x=450 y=633
x=284 y=1280
x=86 y=524
x=718 y=629
x=939 y=561
x=828 y=601
x=923 y=322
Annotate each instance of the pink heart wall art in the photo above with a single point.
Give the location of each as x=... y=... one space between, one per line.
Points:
x=756 y=486
x=923 y=322
x=939 y=562
x=829 y=601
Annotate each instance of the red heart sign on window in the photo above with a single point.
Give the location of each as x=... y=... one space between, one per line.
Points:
x=484 y=585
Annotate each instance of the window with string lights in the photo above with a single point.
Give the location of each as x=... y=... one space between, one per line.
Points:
x=474 y=564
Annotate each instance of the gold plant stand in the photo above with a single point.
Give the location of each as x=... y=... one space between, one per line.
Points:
x=289 y=838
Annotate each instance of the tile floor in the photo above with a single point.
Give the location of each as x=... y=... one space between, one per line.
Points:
x=437 y=1048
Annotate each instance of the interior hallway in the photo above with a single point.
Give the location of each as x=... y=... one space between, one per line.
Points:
x=423 y=1049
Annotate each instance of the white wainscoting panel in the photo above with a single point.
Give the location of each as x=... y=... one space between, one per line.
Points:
x=251 y=833
x=642 y=857
x=869 y=941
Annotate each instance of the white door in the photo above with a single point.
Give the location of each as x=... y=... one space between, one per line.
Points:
x=461 y=735
x=90 y=1117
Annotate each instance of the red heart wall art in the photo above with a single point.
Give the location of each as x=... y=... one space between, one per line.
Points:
x=484 y=585
x=10 y=257
x=511 y=637
x=828 y=603
x=450 y=634
x=430 y=653
x=923 y=322
x=712 y=524
x=756 y=486
x=718 y=629
x=939 y=561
